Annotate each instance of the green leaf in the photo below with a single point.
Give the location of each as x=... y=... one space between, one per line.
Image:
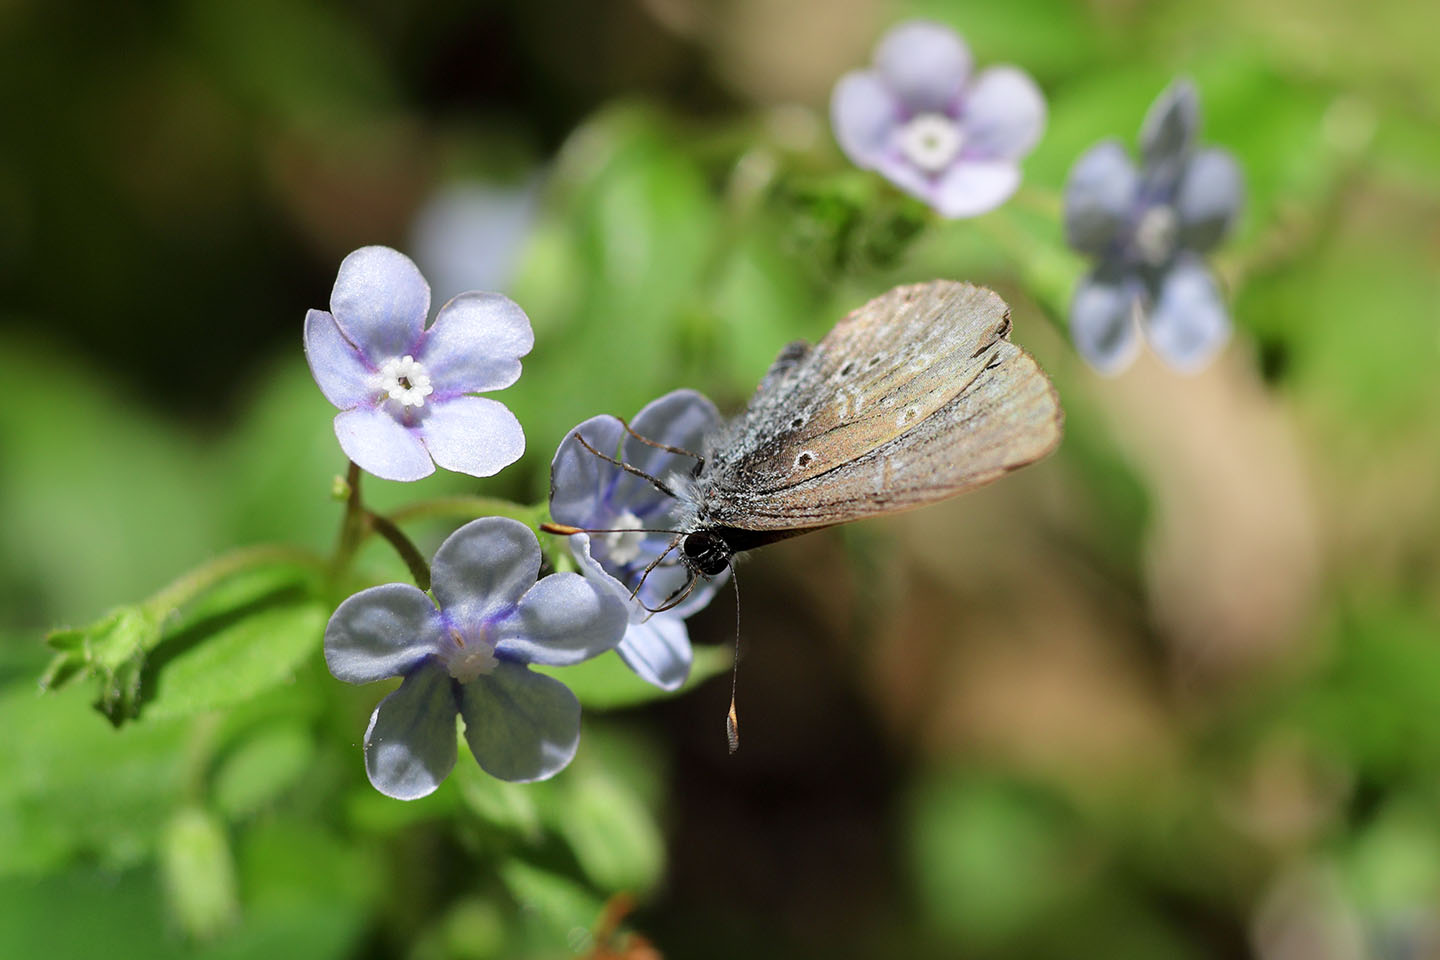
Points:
x=199 y=874
x=112 y=650
x=605 y=683
x=261 y=768
x=610 y=830
x=558 y=907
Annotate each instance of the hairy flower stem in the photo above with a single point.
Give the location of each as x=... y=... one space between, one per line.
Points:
x=359 y=522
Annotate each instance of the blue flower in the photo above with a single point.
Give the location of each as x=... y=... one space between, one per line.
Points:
x=924 y=123
x=470 y=657
x=404 y=391
x=1147 y=230
x=588 y=492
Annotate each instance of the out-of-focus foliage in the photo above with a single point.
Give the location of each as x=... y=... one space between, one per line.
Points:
x=1174 y=692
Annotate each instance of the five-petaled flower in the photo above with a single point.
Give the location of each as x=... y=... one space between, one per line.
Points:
x=1147 y=230
x=921 y=120
x=404 y=391
x=470 y=657
x=588 y=492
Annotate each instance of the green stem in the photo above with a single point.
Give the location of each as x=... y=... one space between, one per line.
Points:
x=352 y=525
x=205 y=576
x=470 y=508
x=419 y=568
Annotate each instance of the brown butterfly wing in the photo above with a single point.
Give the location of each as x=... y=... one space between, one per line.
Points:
x=914 y=397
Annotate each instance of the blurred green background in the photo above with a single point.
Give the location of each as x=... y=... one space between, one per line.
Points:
x=1173 y=692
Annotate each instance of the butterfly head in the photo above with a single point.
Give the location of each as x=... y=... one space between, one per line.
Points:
x=706 y=553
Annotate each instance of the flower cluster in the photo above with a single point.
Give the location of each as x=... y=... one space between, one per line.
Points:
x=407 y=399
x=1147 y=230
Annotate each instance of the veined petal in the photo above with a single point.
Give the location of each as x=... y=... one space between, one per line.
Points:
x=1003 y=116
x=380 y=302
x=925 y=63
x=483 y=569
x=578 y=478
x=1168 y=133
x=381 y=445
x=381 y=632
x=1188 y=324
x=1208 y=198
x=520 y=725
x=864 y=114
x=1102 y=321
x=561 y=620
x=972 y=187
x=475 y=344
x=1099 y=197
x=474 y=435
x=659 y=651
x=410 y=743
x=341 y=371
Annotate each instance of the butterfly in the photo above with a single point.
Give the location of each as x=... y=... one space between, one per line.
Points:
x=913 y=398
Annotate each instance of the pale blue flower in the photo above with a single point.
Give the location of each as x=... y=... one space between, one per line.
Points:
x=921 y=120
x=586 y=491
x=1148 y=230
x=404 y=391
x=467 y=652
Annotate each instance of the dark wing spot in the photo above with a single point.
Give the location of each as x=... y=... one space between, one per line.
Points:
x=876 y=359
x=805 y=459
x=848 y=369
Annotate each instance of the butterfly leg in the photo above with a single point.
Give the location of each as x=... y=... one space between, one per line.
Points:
x=700 y=461
x=636 y=471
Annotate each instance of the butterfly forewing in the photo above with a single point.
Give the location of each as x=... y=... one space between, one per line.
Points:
x=915 y=397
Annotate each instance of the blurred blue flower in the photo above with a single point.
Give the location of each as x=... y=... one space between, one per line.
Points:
x=922 y=121
x=469 y=234
x=404 y=391
x=1147 y=230
x=588 y=492
x=470 y=657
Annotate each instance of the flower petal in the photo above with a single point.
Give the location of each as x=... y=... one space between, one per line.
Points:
x=380 y=302
x=380 y=444
x=473 y=435
x=1099 y=196
x=864 y=114
x=1208 y=198
x=410 y=743
x=973 y=187
x=1102 y=322
x=659 y=651
x=475 y=344
x=521 y=726
x=1003 y=116
x=578 y=478
x=381 y=632
x=925 y=63
x=682 y=418
x=561 y=620
x=1168 y=133
x=1188 y=323
x=483 y=569
x=342 y=371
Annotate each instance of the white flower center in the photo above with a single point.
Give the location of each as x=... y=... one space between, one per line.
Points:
x=469 y=660
x=404 y=380
x=623 y=545
x=1156 y=233
x=931 y=141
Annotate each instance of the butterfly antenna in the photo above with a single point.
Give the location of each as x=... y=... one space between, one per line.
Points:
x=660 y=446
x=635 y=471
x=732 y=719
